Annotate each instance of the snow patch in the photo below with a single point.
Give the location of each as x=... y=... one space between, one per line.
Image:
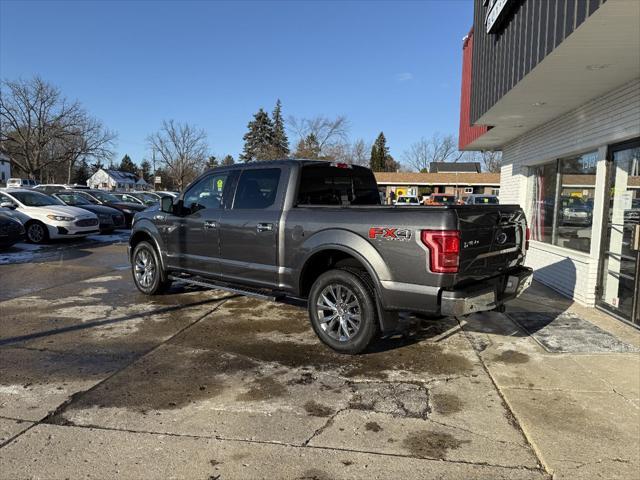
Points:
x=103 y=279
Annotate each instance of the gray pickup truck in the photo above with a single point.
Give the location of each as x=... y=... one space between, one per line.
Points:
x=316 y=230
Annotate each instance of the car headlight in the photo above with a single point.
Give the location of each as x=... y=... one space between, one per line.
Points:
x=61 y=218
x=104 y=217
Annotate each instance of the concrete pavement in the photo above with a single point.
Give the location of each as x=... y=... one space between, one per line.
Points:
x=99 y=381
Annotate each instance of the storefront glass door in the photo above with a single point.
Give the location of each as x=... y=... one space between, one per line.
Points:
x=619 y=283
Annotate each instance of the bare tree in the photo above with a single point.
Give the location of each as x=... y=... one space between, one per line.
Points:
x=331 y=134
x=182 y=149
x=438 y=148
x=90 y=140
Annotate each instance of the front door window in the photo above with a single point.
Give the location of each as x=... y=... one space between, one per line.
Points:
x=619 y=273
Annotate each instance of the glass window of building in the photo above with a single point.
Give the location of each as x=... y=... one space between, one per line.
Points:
x=562 y=210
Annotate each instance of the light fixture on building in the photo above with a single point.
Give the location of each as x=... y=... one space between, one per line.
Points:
x=597 y=66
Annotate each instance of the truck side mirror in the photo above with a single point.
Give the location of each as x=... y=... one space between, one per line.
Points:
x=166 y=204
x=10 y=205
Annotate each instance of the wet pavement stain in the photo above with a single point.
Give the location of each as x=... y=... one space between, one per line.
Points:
x=165 y=382
x=512 y=356
x=428 y=444
x=446 y=403
x=316 y=409
x=263 y=388
x=373 y=427
x=314 y=474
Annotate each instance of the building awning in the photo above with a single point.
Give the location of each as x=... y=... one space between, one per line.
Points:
x=599 y=56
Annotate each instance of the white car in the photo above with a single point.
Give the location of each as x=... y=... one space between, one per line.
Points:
x=21 y=183
x=48 y=217
x=407 y=200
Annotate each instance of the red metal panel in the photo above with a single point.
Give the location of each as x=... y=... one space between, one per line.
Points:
x=468 y=133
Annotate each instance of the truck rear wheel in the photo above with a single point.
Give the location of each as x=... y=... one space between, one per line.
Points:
x=147 y=270
x=342 y=310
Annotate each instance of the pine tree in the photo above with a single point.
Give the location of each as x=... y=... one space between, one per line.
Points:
x=258 y=141
x=212 y=162
x=280 y=140
x=81 y=173
x=127 y=165
x=228 y=160
x=308 y=147
x=379 y=154
x=95 y=167
x=145 y=171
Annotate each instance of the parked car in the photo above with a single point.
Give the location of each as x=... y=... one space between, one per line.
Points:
x=110 y=218
x=165 y=193
x=50 y=188
x=11 y=230
x=48 y=217
x=407 y=200
x=21 y=183
x=316 y=230
x=575 y=211
x=441 y=199
x=143 y=198
x=99 y=197
x=478 y=199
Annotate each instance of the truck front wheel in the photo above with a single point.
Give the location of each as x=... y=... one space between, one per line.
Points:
x=342 y=310
x=147 y=269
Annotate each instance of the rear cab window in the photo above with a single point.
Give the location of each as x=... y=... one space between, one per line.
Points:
x=327 y=184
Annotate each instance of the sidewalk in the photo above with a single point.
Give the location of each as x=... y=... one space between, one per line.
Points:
x=571 y=377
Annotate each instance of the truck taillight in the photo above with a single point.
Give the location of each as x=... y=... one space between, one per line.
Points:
x=526 y=238
x=444 y=249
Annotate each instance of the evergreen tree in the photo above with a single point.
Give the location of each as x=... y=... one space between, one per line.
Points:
x=381 y=160
x=308 y=147
x=145 y=171
x=280 y=140
x=212 y=162
x=258 y=141
x=81 y=173
x=127 y=165
x=228 y=160
x=95 y=167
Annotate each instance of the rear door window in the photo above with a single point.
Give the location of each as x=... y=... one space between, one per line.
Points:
x=257 y=188
x=331 y=185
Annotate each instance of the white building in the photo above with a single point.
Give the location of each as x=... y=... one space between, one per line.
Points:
x=563 y=105
x=5 y=169
x=106 y=179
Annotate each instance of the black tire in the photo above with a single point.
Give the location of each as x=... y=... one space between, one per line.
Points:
x=145 y=260
x=358 y=289
x=36 y=232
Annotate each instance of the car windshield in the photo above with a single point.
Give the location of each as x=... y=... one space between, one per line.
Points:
x=446 y=199
x=73 y=199
x=105 y=197
x=486 y=200
x=35 y=199
x=147 y=197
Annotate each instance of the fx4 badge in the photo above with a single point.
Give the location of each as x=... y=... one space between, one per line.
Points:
x=389 y=233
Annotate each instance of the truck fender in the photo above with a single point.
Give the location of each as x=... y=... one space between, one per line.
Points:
x=149 y=230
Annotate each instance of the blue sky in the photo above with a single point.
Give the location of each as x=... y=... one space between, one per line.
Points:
x=388 y=66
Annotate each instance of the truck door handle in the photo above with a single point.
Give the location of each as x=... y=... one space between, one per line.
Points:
x=210 y=225
x=264 y=227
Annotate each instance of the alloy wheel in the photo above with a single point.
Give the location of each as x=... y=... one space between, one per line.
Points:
x=144 y=268
x=36 y=233
x=339 y=312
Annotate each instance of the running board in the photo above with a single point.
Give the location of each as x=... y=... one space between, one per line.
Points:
x=263 y=294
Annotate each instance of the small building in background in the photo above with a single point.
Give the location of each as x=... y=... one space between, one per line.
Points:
x=454 y=167
x=461 y=184
x=106 y=179
x=5 y=169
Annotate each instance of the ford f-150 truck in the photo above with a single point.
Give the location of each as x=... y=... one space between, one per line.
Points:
x=316 y=230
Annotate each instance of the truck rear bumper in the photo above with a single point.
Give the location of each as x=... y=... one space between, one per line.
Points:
x=486 y=296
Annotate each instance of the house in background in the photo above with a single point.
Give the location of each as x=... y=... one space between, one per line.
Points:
x=454 y=167
x=5 y=169
x=562 y=102
x=462 y=184
x=106 y=179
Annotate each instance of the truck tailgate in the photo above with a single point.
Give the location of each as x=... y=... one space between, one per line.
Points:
x=491 y=240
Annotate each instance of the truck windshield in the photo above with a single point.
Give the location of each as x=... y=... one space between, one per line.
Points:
x=331 y=185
